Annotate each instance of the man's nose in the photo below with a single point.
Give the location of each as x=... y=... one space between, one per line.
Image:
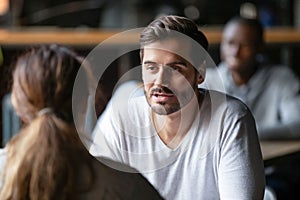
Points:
x=236 y=48
x=163 y=76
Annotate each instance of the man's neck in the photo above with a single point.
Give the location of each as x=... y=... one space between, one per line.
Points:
x=242 y=77
x=173 y=127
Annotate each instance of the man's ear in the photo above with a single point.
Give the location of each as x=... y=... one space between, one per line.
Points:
x=200 y=79
x=202 y=70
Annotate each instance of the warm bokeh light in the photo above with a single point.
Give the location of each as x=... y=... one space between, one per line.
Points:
x=4 y=6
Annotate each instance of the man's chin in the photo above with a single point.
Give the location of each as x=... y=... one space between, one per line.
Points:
x=234 y=67
x=164 y=110
x=233 y=63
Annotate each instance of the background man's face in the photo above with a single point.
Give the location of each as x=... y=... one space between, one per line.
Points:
x=239 y=47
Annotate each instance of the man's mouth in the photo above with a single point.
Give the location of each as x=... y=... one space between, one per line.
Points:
x=234 y=61
x=161 y=95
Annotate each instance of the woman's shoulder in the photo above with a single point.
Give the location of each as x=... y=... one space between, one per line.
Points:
x=117 y=178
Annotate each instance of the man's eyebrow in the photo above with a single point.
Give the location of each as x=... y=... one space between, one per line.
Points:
x=149 y=62
x=183 y=63
x=168 y=64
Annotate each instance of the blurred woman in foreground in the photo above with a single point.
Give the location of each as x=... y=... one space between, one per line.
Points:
x=47 y=159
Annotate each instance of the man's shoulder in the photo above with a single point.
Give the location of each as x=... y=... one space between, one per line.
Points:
x=278 y=76
x=221 y=99
x=220 y=69
x=222 y=96
x=216 y=78
x=278 y=70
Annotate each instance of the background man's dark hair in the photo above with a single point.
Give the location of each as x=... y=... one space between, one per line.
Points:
x=253 y=23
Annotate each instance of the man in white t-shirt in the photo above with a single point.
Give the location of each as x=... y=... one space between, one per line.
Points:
x=189 y=143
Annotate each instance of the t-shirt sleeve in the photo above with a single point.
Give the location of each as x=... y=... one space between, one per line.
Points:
x=241 y=169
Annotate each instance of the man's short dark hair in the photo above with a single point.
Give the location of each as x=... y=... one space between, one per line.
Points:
x=162 y=27
x=166 y=26
x=253 y=23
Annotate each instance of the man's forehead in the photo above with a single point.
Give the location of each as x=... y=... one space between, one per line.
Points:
x=239 y=31
x=172 y=45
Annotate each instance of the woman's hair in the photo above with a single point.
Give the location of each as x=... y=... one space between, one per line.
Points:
x=43 y=160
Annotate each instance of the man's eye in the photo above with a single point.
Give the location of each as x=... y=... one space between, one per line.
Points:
x=176 y=68
x=151 y=67
x=231 y=43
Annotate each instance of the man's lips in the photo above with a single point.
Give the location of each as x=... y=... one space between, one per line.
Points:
x=159 y=95
x=233 y=60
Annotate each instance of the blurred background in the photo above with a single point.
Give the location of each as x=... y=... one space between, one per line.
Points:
x=126 y=14
x=133 y=13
